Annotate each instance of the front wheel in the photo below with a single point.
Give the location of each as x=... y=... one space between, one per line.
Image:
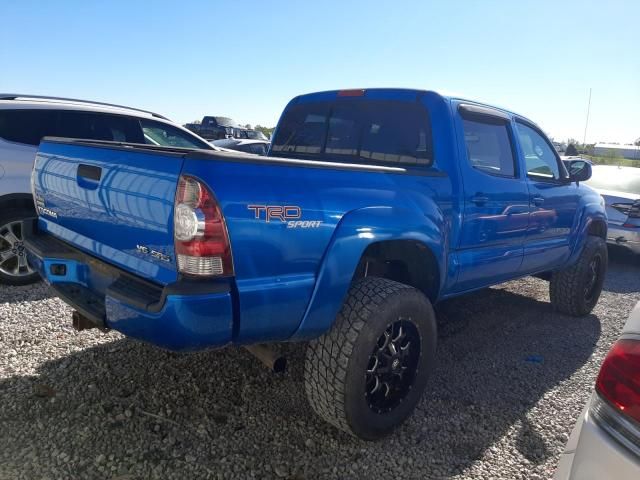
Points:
x=14 y=267
x=576 y=289
x=366 y=375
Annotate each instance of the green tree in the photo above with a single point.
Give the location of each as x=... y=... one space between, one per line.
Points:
x=265 y=130
x=637 y=142
x=571 y=150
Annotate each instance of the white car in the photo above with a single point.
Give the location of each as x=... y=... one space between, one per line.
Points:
x=620 y=188
x=25 y=119
x=257 y=147
x=605 y=443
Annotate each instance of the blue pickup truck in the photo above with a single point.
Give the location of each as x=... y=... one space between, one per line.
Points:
x=372 y=206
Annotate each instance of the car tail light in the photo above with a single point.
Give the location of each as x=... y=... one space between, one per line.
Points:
x=200 y=234
x=616 y=406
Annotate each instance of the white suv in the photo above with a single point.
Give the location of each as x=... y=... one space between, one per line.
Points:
x=25 y=119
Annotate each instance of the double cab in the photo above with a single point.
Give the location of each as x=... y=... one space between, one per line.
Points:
x=372 y=206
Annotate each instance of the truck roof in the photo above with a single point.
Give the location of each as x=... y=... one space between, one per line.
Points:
x=395 y=94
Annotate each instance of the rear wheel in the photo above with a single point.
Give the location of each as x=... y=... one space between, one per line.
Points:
x=576 y=289
x=366 y=375
x=14 y=267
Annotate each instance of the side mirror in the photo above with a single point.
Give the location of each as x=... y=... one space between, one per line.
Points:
x=579 y=170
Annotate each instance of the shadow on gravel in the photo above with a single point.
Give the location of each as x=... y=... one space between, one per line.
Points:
x=25 y=293
x=127 y=410
x=624 y=271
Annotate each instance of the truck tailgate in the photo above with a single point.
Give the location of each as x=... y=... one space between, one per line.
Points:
x=115 y=203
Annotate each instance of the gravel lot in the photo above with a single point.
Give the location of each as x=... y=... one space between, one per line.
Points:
x=511 y=380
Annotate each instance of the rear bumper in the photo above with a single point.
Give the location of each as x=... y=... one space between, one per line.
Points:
x=182 y=316
x=592 y=454
x=626 y=237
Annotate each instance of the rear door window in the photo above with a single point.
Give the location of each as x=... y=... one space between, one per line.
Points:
x=356 y=130
x=489 y=147
x=27 y=126
x=98 y=126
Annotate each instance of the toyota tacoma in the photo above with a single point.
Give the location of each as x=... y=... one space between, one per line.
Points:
x=371 y=207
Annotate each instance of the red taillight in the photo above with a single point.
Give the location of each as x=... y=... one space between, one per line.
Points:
x=351 y=93
x=619 y=378
x=200 y=234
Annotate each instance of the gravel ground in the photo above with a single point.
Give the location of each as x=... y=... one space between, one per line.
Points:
x=511 y=380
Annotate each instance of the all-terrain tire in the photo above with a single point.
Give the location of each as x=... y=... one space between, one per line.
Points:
x=336 y=365
x=11 y=251
x=575 y=290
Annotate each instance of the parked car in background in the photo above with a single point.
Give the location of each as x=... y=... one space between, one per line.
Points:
x=214 y=128
x=372 y=206
x=220 y=128
x=25 y=119
x=250 y=134
x=258 y=147
x=620 y=188
x=560 y=147
x=605 y=444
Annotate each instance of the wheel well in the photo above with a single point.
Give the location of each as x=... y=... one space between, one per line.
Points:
x=598 y=228
x=15 y=201
x=405 y=261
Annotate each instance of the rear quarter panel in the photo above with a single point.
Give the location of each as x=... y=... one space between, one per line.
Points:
x=291 y=281
x=278 y=269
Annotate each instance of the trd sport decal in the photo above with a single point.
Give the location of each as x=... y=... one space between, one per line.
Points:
x=289 y=214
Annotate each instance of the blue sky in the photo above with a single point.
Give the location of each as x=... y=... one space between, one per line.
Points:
x=246 y=59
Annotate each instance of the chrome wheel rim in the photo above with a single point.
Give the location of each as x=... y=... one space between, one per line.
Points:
x=392 y=366
x=13 y=254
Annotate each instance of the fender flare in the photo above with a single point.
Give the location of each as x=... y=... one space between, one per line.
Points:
x=355 y=232
x=592 y=211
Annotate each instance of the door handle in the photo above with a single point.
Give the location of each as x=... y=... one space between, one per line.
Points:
x=90 y=172
x=479 y=199
x=537 y=200
x=89 y=176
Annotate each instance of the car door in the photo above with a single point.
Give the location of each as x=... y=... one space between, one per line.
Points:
x=496 y=199
x=553 y=201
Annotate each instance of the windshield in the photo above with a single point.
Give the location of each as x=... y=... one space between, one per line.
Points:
x=356 y=130
x=225 y=121
x=626 y=180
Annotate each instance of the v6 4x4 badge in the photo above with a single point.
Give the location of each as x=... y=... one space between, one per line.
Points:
x=289 y=214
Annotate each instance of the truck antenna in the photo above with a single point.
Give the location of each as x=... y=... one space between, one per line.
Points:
x=584 y=138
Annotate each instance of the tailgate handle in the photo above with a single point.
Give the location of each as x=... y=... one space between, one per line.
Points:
x=89 y=172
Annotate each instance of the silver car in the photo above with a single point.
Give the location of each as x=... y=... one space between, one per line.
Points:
x=620 y=188
x=605 y=442
x=25 y=119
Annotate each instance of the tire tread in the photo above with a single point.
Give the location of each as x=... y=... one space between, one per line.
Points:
x=328 y=357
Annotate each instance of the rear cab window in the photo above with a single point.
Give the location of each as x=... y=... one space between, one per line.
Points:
x=364 y=131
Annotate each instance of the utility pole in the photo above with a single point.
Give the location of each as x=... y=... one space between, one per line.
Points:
x=584 y=138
